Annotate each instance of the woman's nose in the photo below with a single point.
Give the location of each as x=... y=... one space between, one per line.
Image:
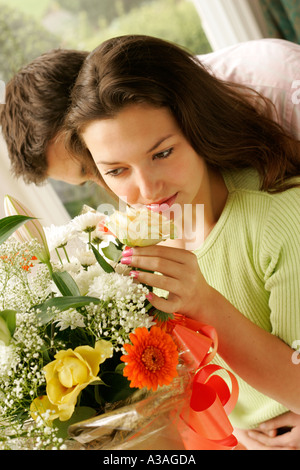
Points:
x=149 y=188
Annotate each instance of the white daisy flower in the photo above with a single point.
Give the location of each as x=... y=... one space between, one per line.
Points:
x=88 y=222
x=84 y=278
x=59 y=235
x=85 y=257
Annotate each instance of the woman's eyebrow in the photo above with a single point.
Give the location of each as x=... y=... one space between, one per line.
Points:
x=155 y=146
x=159 y=142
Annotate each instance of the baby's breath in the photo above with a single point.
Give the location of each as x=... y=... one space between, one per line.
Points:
x=23 y=282
x=122 y=308
x=70 y=318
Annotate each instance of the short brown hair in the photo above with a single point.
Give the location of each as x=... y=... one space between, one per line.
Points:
x=217 y=118
x=37 y=99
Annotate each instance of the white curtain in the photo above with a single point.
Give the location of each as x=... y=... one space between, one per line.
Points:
x=42 y=201
x=228 y=22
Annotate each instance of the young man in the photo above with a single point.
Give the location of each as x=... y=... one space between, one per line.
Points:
x=37 y=99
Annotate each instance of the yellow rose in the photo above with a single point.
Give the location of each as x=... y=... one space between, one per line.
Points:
x=41 y=405
x=72 y=371
x=140 y=227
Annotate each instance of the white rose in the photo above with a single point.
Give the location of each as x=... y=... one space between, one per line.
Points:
x=140 y=227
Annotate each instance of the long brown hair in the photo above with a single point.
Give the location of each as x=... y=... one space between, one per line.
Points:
x=219 y=119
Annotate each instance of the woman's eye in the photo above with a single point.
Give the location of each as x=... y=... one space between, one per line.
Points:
x=164 y=154
x=116 y=172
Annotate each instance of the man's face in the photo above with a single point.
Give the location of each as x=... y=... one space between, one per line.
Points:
x=62 y=167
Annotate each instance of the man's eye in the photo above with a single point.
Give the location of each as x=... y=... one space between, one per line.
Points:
x=164 y=154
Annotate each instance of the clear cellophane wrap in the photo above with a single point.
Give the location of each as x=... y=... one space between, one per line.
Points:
x=144 y=423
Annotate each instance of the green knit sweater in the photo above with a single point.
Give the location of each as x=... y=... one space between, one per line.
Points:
x=252 y=257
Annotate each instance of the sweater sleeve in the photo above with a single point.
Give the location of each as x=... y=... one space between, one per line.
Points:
x=280 y=263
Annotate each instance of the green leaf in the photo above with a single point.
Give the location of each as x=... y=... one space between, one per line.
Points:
x=161 y=316
x=62 y=303
x=116 y=387
x=120 y=245
x=65 y=283
x=112 y=252
x=45 y=354
x=8 y=225
x=119 y=369
x=9 y=316
x=80 y=414
x=103 y=263
x=5 y=335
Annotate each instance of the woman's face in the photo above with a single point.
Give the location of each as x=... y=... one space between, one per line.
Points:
x=144 y=158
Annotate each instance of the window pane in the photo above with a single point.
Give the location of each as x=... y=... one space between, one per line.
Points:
x=27 y=29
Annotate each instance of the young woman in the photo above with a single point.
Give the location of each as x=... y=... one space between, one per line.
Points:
x=163 y=132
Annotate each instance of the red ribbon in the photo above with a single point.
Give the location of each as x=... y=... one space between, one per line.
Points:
x=203 y=422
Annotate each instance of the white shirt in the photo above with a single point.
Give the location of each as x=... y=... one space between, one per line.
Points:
x=269 y=66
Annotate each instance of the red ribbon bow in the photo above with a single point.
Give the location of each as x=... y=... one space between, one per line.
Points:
x=203 y=423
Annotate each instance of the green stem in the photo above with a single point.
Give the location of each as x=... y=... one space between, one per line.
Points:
x=49 y=266
x=58 y=255
x=64 y=248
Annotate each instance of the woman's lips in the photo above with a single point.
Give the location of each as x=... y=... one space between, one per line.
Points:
x=163 y=205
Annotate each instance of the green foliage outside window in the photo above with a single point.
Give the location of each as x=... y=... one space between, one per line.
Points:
x=173 y=20
x=21 y=40
x=30 y=28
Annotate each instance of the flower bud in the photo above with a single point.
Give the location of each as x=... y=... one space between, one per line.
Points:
x=30 y=230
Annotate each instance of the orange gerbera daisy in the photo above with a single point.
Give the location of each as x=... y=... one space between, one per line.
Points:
x=151 y=359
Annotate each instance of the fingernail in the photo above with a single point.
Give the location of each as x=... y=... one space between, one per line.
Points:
x=126 y=260
x=149 y=296
x=134 y=274
x=127 y=252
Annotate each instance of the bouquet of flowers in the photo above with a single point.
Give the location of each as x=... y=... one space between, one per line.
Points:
x=80 y=342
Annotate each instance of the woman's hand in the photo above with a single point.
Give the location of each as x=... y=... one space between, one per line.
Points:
x=257 y=356
x=180 y=276
x=280 y=432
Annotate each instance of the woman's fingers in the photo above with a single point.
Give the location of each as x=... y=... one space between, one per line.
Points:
x=165 y=252
x=172 y=262
x=171 y=269
x=170 y=305
x=285 y=420
x=179 y=275
x=281 y=441
x=155 y=280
